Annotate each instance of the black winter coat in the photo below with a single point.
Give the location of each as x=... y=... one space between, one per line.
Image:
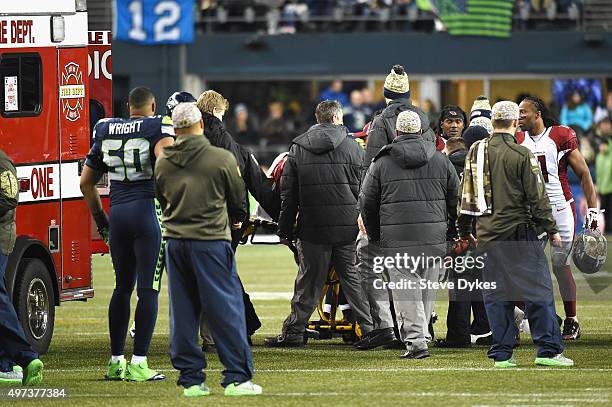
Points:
x=218 y=136
x=255 y=180
x=458 y=160
x=321 y=182
x=407 y=195
x=382 y=130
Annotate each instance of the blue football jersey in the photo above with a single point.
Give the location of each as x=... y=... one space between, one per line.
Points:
x=125 y=149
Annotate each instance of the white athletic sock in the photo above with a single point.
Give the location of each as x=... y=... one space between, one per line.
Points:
x=118 y=358
x=136 y=360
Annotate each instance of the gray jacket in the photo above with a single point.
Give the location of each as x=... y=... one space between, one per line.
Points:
x=382 y=130
x=9 y=195
x=407 y=195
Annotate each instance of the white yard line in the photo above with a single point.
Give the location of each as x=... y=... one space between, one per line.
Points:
x=394 y=370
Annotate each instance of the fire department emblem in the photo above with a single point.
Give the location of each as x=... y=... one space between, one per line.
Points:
x=72 y=91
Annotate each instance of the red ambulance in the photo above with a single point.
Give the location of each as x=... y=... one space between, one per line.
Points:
x=54 y=86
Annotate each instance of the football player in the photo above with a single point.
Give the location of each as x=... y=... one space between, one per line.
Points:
x=126 y=149
x=556 y=147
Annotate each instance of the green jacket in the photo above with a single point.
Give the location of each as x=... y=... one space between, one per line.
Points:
x=9 y=195
x=197 y=184
x=603 y=170
x=519 y=194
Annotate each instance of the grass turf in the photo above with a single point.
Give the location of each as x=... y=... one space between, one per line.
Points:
x=327 y=371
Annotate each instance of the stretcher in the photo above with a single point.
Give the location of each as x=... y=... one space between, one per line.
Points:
x=330 y=322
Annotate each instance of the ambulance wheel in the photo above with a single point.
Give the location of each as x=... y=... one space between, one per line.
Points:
x=33 y=299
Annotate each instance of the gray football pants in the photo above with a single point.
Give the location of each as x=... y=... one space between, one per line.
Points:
x=315 y=260
x=413 y=306
x=380 y=307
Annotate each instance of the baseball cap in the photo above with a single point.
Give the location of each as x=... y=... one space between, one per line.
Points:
x=185 y=115
x=505 y=110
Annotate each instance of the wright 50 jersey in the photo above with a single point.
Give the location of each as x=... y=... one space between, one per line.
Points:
x=551 y=149
x=125 y=148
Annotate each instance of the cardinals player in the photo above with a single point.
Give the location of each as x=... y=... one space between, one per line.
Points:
x=556 y=147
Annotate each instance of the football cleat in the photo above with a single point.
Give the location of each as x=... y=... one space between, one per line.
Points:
x=197 y=390
x=243 y=389
x=484 y=339
x=571 y=329
x=504 y=364
x=116 y=370
x=142 y=373
x=33 y=373
x=14 y=376
x=556 y=361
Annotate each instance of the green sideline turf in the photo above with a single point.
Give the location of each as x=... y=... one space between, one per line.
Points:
x=327 y=372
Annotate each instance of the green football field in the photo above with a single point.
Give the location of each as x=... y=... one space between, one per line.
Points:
x=328 y=372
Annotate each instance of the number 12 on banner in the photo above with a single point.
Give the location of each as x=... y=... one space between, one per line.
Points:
x=155 y=21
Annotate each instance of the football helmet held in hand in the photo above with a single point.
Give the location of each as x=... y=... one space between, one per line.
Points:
x=590 y=251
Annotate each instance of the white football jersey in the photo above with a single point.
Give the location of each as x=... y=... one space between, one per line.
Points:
x=551 y=149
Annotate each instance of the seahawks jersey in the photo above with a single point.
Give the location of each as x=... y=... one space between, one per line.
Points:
x=125 y=149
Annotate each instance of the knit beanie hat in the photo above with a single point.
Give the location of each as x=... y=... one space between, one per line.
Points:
x=396 y=84
x=408 y=122
x=481 y=108
x=473 y=134
x=483 y=122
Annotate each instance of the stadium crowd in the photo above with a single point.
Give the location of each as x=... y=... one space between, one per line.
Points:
x=291 y=16
x=271 y=133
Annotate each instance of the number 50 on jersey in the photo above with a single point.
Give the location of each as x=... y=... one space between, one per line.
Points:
x=152 y=22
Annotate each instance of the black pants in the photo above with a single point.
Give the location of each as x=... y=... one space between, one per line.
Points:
x=461 y=304
x=14 y=348
x=251 y=319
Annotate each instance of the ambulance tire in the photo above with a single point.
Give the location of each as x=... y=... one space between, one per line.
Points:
x=33 y=299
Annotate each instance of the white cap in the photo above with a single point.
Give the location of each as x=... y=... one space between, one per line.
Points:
x=408 y=122
x=185 y=115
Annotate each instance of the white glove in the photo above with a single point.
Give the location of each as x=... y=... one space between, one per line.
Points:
x=591 y=218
